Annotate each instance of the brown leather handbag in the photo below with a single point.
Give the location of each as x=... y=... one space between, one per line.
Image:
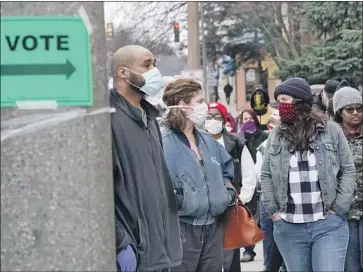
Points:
x=240 y=228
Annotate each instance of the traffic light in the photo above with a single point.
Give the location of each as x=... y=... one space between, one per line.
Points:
x=109 y=30
x=176 y=32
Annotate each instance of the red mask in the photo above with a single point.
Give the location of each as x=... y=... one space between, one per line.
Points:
x=287 y=111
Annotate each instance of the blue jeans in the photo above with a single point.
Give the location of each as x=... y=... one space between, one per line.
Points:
x=315 y=246
x=354 y=259
x=267 y=227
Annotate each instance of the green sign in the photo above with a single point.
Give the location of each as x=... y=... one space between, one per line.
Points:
x=45 y=59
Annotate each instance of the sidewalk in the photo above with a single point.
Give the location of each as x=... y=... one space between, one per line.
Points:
x=257 y=264
x=232 y=107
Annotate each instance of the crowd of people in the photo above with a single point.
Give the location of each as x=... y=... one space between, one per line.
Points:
x=181 y=164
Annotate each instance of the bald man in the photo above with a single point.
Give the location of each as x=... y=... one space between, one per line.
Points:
x=147 y=225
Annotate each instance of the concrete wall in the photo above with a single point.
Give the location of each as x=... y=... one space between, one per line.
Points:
x=57 y=208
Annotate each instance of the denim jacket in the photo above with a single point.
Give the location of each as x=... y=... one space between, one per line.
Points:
x=335 y=169
x=203 y=188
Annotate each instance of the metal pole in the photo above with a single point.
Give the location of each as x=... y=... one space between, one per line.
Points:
x=204 y=53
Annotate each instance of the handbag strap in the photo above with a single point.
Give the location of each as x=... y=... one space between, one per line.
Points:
x=240 y=203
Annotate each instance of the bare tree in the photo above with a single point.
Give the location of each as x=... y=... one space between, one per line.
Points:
x=150 y=24
x=278 y=22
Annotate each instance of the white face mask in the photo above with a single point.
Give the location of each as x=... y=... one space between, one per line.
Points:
x=199 y=114
x=213 y=126
x=153 y=82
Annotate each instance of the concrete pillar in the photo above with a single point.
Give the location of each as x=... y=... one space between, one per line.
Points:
x=193 y=36
x=57 y=208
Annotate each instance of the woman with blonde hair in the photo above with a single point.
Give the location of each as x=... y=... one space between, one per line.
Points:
x=201 y=171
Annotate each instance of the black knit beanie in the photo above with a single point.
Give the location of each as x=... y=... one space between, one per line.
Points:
x=343 y=83
x=296 y=87
x=330 y=86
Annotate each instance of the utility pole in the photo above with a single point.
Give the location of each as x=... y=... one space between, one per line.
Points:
x=193 y=36
x=204 y=53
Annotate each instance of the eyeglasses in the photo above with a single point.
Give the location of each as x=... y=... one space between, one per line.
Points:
x=215 y=117
x=350 y=110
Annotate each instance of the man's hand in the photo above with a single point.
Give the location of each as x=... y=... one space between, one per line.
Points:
x=126 y=259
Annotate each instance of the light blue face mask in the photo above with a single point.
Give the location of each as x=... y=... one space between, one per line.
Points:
x=153 y=82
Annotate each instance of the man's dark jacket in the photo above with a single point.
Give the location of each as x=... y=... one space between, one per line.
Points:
x=145 y=208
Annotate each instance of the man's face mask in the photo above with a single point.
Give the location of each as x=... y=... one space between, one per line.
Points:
x=149 y=83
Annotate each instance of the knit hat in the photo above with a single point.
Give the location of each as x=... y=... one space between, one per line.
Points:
x=296 y=87
x=346 y=96
x=342 y=84
x=222 y=109
x=331 y=86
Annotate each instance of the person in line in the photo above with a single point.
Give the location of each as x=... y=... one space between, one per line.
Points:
x=251 y=129
x=228 y=89
x=260 y=103
x=348 y=109
x=244 y=178
x=231 y=124
x=272 y=259
x=321 y=100
x=146 y=215
x=201 y=171
x=308 y=181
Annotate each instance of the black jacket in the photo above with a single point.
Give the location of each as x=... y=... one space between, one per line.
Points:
x=145 y=208
x=234 y=145
x=254 y=141
x=228 y=89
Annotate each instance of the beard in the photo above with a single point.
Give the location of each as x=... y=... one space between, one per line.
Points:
x=136 y=82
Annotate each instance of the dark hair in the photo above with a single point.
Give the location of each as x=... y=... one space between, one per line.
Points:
x=254 y=116
x=338 y=117
x=301 y=131
x=176 y=91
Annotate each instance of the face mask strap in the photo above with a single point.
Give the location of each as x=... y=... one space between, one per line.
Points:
x=128 y=81
x=131 y=71
x=132 y=84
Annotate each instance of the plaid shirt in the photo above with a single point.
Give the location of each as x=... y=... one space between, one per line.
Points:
x=305 y=202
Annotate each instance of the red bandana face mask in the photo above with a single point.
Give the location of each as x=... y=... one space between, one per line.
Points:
x=287 y=111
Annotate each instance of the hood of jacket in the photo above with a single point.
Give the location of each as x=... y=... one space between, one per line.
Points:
x=260 y=100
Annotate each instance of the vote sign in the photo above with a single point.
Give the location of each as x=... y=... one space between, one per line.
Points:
x=45 y=59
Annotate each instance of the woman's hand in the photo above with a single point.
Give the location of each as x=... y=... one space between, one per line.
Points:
x=276 y=216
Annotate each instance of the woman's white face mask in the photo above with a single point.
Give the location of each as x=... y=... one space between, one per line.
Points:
x=198 y=115
x=213 y=126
